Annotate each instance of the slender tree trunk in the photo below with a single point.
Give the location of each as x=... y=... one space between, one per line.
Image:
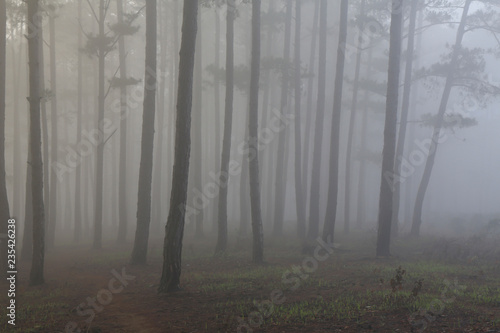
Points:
x=299 y=192
x=403 y=122
x=221 y=246
x=391 y=115
x=27 y=249
x=17 y=164
x=79 y=113
x=309 y=105
x=54 y=135
x=333 y=184
x=280 y=176
x=174 y=229
x=140 y=250
x=429 y=164
x=4 y=202
x=122 y=171
x=34 y=26
x=253 y=121
x=318 y=133
x=350 y=134
x=99 y=167
x=244 y=192
x=217 y=108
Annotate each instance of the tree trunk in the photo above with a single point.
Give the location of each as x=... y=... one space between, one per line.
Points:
x=27 y=249
x=333 y=184
x=217 y=109
x=174 y=229
x=318 y=132
x=350 y=134
x=244 y=192
x=4 y=202
x=391 y=115
x=280 y=176
x=34 y=26
x=122 y=171
x=99 y=166
x=79 y=113
x=429 y=164
x=221 y=246
x=253 y=159
x=403 y=122
x=54 y=135
x=299 y=192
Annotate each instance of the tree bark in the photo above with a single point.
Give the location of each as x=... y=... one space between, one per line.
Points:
x=391 y=114
x=79 y=113
x=34 y=27
x=253 y=159
x=174 y=229
x=139 y=253
x=221 y=246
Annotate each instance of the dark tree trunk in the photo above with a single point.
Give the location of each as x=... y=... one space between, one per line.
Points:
x=78 y=192
x=350 y=134
x=391 y=115
x=253 y=159
x=217 y=110
x=99 y=164
x=299 y=189
x=280 y=176
x=122 y=171
x=403 y=122
x=429 y=164
x=174 y=229
x=221 y=246
x=244 y=192
x=140 y=250
x=318 y=132
x=4 y=202
x=34 y=26
x=51 y=224
x=27 y=249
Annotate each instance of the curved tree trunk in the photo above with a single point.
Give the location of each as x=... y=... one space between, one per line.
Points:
x=174 y=229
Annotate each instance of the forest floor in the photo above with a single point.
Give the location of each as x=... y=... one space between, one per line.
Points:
x=348 y=290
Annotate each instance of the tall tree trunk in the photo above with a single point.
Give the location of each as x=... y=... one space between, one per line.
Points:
x=221 y=246
x=4 y=202
x=99 y=166
x=140 y=250
x=309 y=105
x=244 y=192
x=197 y=165
x=174 y=229
x=217 y=109
x=429 y=164
x=318 y=132
x=27 y=249
x=299 y=190
x=79 y=113
x=391 y=115
x=253 y=121
x=54 y=134
x=333 y=184
x=122 y=171
x=403 y=122
x=280 y=176
x=352 y=119
x=34 y=26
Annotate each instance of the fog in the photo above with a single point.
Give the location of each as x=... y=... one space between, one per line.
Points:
x=145 y=140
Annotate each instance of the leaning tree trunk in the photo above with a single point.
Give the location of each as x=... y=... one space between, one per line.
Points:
x=318 y=132
x=391 y=115
x=221 y=246
x=4 y=203
x=450 y=76
x=333 y=184
x=280 y=176
x=253 y=159
x=34 y=26
x=350 y=134
x=299 y=189
x=140 y=250
x=403 y=122
x=174 y=229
